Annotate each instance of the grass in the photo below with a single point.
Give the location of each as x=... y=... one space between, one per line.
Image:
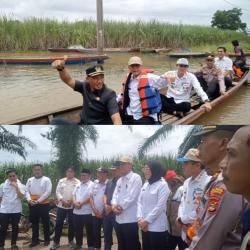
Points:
x=40 y=34
x=50 y=169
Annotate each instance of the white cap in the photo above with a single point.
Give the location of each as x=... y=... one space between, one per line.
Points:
x=183 y=61
x=135 y=60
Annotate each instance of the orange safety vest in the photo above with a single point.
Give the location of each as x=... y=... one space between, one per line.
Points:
x=149 y=98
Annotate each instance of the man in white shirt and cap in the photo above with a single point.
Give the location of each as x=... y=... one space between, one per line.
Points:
x=124 y=205
x=11 y=193
x=38 y=190
x=180 y=83
x=141 y=102
x=193 y=189
x=64 y=195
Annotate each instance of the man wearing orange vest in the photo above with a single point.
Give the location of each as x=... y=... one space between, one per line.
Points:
x=140 y=101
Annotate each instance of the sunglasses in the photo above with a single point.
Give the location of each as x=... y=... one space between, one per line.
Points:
x=183 y=65
x=210 y=60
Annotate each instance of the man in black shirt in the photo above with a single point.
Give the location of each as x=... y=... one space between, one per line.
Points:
x=100 y=106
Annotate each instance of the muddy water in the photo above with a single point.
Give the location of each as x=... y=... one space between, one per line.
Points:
x=31 y=90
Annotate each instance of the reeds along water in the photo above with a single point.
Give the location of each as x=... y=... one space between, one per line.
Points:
x=40 y=33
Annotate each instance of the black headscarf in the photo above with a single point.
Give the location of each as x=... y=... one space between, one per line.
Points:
x=156 y=170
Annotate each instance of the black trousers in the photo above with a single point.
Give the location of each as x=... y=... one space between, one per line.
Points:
x=129 y=120
x=169 y=105
x=108 y=226
x=154 y=240
x=128 y=237
x=5 y=220
x=61 y=215
x=211 y=88
x=174 y=241
x=97 y=226
x=80 y=222
x=228 y=82
x=37 y=212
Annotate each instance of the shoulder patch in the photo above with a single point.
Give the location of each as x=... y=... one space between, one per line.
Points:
x=215 y=196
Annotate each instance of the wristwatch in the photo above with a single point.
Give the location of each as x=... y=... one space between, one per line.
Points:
x=61 y=69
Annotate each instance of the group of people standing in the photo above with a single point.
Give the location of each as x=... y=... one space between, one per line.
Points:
x=209 y=210
x=140 y=102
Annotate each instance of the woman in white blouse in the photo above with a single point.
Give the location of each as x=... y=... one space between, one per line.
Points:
x=151 y=210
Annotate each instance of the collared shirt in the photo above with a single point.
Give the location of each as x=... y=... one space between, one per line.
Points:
x=192 y=192
x=134 y=107
x=82 y=193
x=110 y=188
x=152 y=205
x=126 y=196
x=64 y=190
x=97 y=194
x=40 y=187
x=10 y=203
x=181 y=88
x=218 y=223
x=214 y=73
x=225 y=64
x=98 y=106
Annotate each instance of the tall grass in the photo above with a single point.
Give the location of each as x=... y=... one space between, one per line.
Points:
x=25 y=171
x=39 y=33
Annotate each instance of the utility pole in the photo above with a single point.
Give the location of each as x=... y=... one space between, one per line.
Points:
x=99 y=26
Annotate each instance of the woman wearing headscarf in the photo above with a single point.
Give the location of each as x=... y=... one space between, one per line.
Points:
x=151 y=209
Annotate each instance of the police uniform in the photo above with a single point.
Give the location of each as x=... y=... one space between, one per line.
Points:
x=217 y=224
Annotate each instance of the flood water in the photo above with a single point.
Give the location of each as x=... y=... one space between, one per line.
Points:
x=30 y=90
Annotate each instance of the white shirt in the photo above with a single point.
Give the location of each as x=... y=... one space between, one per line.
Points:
x=134 y=107
x=82 y=193
x=152 y=205
x=192 y=191
x=126 y=196
x=10 y=203
x=64 y=190
x=41 y=187
x=97 y=194
x=225 y=64
x=181 y=88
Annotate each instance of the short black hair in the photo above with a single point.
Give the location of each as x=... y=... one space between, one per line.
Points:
x=224 y=49
x=235 y=43
x=11 y=170
x=37 y=165
x=72 y=168
x=85 y=171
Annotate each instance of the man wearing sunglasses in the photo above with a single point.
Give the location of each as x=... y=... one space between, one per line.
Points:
x=211 y=79
x=180 y=83
x=11 y=193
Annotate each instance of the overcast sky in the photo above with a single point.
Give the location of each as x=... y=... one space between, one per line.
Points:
x=113 y=141
x=175 y=11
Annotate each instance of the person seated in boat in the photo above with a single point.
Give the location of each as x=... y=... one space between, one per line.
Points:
x=211 y=79
x=140 y=100
x=240 y=60
x=100 y=106
x=177 y=101
x=225 y=64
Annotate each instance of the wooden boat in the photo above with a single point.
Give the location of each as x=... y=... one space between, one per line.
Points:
x=49 y=60
x=94 y=50
x=188 y=54
x=72 y=113
x=198 y=111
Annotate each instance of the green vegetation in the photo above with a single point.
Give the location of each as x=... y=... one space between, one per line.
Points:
x=40 y=34
x=50 y=169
